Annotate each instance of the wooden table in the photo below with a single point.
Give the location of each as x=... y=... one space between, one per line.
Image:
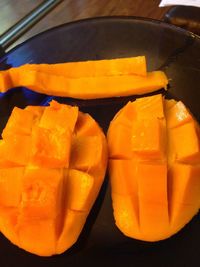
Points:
x=70 y=10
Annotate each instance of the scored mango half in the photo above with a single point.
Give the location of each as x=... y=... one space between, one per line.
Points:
x=52 y=164
x=154 y=167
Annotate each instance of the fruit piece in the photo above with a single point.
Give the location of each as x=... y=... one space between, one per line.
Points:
x=72 y=226
x=184 y=143
x=44 y=203
x=86 y=125
x=149 y=107
x=153 y=203
x=11 y=186
x=86 y=153
x=125 y=214
x=184 y=191
x=118 y=149
x=79 y=184
x=125 y=115
x=107 y=67
x=169 y=103
x=123 y=177
x=37 y=236
x=86 y=87
x=50 y=148
x=41 y=193
x=4 y=160
x=8 y=224
x=177 y=115
x=16 y=125
x=156 y=191
x=59 y=117
x=148 y=139
x=36 y=110
x=12 y=146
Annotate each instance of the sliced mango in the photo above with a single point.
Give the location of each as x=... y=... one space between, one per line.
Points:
x=126 y=216
x=12 y=146
x=123 y=177
x=59 y=117
x=86 y=125
x=11 y=180
x=177 y=115
x=50 y=148
x=72 y=226
x=160 y=181
x=117 y=147
x=41 y=193
x=48 y=183
x=85 y=87
x=148 y=139
x=106 y=67
x=153 y=201
x=149 y=107
x=81 y=184
x=184 y=191
x=37 y=236
x=184 y=143
x=16 y=125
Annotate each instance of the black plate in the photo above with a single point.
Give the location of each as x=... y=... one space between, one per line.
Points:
x=166 y=47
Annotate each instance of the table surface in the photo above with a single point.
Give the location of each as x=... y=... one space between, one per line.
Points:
x=70 y=10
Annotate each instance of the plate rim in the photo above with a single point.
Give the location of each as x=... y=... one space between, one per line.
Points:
x=99 y=19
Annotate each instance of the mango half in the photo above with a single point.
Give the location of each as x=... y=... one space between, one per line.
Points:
x=154 y=167
x=52 y=164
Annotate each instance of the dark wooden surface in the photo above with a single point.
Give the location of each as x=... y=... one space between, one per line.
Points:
x=69 y=10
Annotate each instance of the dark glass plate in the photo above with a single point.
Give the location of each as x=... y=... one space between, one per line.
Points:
x=166 y=47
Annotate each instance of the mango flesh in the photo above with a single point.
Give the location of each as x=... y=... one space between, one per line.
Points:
x=154 y=167
x=51 y=171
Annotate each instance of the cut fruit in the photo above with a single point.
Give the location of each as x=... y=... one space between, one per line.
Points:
x=37 y=236
x=149 y=107
x=51 y=171
x=148 y=139
x=59 y=117
x=85 y=87
x=79 y=184
x=50 y=148
x=41 y=193
x=72 y=226
x=118 y=149
x=184 y=143
x=11 y=180
x=106 y=67
x=177 y=115
x=123 y=177
x=126 y=215
x=16 y=125
x=156 y=190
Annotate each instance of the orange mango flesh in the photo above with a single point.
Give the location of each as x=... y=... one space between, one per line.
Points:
x=87 y=79
x=143 y=144
x=79 y=184
x=108 y=67
x=48 y=181
x=156 y=189
x=93 y=87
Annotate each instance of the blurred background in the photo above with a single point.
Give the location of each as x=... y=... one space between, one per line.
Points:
x=53 y=13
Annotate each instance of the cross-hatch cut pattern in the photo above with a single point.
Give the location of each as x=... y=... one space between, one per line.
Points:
x=154 y=166
x=52 y=164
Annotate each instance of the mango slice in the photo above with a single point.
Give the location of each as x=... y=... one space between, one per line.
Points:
x=154 y=167
x=90 y=68
x=86 y=80
x=51 y=170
